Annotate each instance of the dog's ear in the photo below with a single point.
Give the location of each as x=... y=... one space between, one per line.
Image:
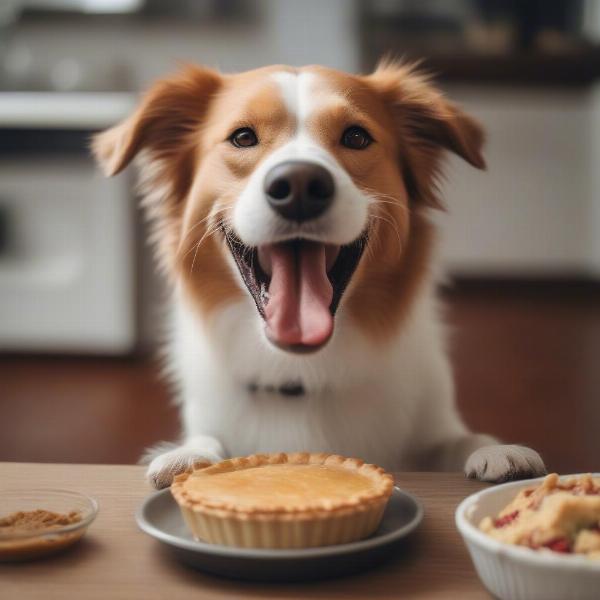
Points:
x=168 y=113
x=426 y=123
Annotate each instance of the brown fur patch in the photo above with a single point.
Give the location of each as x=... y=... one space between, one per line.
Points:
x=426 y=124
x=164 y=130
x=386 y=284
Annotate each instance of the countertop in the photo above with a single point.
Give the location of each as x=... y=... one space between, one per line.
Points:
x=115 y=560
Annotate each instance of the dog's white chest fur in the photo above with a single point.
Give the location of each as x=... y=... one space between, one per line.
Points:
x=359 y=400
x=392 y=406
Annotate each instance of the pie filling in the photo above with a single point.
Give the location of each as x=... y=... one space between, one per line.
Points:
x=274 y=486
x=558 y=515
x=297 y=286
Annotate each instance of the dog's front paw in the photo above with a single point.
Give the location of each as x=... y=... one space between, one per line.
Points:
x=504 y=463
x=177 y=459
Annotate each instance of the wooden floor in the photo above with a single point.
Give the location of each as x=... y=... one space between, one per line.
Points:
x=527 y=363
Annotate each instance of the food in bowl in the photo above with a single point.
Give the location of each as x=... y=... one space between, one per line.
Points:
x=558 y=515
x=36 y=520
x=39 y=522
x=296 y=500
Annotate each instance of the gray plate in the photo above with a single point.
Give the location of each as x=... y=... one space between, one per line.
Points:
x=159 y=516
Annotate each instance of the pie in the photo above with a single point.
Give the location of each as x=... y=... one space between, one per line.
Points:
x=558 y=515
x=283 y=500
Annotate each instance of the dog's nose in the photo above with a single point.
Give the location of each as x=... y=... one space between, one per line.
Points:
x=299 y=190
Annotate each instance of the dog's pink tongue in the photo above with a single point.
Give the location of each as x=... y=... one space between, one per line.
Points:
x=299 y=295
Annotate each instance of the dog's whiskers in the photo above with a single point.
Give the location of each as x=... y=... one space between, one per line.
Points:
x=394 y=228
x=211 y=214
x=386 y=219
x=208 y=234
x=211 y=230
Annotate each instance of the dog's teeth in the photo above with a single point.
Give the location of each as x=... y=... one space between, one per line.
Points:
x=264 y=260
x=264 y=294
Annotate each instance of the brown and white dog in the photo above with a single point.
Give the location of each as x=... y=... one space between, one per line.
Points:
x=290 y=214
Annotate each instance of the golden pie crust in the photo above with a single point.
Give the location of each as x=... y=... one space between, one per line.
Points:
x=296 y=500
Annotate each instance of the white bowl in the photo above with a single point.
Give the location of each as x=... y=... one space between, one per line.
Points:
x=517 y=573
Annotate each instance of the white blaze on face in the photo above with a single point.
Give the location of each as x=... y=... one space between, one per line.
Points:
x=300 y=293
x=253 y=219
x=295 y=90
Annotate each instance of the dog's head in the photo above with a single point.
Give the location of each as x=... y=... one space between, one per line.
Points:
x=310 y=183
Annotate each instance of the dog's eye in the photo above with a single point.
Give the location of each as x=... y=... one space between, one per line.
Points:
x=356 y=137
x=243 y=138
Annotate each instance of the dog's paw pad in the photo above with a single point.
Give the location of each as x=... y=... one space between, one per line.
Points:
x=501 y=463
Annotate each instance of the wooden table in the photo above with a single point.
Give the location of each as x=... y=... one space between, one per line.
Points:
x=117 y=561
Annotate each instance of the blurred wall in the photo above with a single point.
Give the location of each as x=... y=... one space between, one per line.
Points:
x=533 y=212
x=594 y=191
x=536 y=210
x=284 y=31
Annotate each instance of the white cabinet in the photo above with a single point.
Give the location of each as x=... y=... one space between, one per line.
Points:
x=67 y=272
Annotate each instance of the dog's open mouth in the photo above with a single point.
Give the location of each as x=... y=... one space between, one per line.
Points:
x=297 y=286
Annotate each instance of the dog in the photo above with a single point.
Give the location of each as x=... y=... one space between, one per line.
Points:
x=290 y=215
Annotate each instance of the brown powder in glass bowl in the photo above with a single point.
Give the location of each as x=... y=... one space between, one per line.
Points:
x=34 y=533
x=33 y=520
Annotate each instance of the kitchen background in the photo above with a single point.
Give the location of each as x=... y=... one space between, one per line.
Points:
x=80 y=305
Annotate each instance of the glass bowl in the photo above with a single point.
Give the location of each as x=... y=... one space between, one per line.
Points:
x=24 y=544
